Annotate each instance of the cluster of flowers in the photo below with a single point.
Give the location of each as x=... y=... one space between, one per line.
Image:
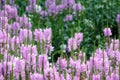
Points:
x=23 y=59
x=26 y=52
x=22 y=49
x=73 y=43
x=52 y=8
x=10 y=21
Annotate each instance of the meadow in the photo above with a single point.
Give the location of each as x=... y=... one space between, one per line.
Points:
x=59 y=39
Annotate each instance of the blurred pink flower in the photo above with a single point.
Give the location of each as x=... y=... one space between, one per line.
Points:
x=107 y=32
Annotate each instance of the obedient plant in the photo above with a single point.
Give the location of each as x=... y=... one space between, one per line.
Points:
x=118 y=18
x=107 y=32
x=24 y=53
x=73 y=43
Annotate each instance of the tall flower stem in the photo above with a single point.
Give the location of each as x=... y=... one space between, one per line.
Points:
x=119 y=34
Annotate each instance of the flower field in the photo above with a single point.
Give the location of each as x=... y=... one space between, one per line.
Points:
x=59 y=40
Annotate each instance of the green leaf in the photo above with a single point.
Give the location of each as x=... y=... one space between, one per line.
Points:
x=1 y=56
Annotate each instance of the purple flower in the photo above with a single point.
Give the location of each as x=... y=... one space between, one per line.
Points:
x=15 y=26
x=39 y=35
x=76 y=78
x=72 y=44
x=1 y=77
x=34 y=50
x=27 y=24
x=107 y=32
x=48 y=3
x=25 y=34
x=52 y=9
x=36 y=76
x=68 y=77
x=114 y=44
x=32 y=5
x=32 y=2
x=1 y=66
x=62 y=63
x=77 y=7
x=114 y=76
x=3 y=13
x=14 y=13
x=43 y=13
x=19 y=67
x=11 y=2
x=26 y=50
x=1 y=37
x=118 y=18
x=70 y=2
x=47 y=35
x=29 y=8
x=6 y=36
x=60 y=7
x=48 y=48
x=68 y=17
x=11 y=11
x=80 y=68
x=96 y=77
x=117 y=55
x=14 y=41
x=3 y=21
x=72 y=63
x=9 y=64
x=8 y=8
x=79 y=37
x=33 y=61
x=42 y=60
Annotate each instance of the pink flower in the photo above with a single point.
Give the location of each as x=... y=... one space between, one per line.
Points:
x=114 y=44
x=34 y=50
x=11 y=11
x=47 y=35
x=107 y=32
x=96 y=77
x=72 y=44
x=23 y=34
x=77 y=7
x=79 y=37
x=1 y=77
x=43 y=13
x=39 y=35
x=71 y=2
x=68 y=17
x=19 y=66
x=36 y=76
x=1 y=37
x=72 y=63
x=49 y=74
x=1 y=66
x=32 y=2
x=62 y=63
x=42 y=59
x=118 y=18
x=3 y=21
x=15 y=27
x=8 y=8
x=15 y=41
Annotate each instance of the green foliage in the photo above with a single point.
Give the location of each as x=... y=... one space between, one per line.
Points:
x=96 y=15
x=1 y=56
